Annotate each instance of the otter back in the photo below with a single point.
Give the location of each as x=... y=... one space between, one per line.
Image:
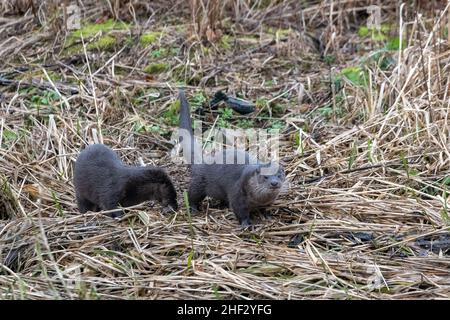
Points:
x=242 y=187
x=103 y=182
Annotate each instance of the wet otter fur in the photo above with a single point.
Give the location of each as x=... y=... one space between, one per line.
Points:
x=242 y=187
x=103 y=182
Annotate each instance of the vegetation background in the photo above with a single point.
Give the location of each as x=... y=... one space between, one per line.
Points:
x=363 y=111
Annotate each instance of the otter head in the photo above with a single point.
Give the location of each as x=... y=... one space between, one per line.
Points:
x=263 y=187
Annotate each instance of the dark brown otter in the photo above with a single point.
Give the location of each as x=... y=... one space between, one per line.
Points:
x=103 y=182
x=242 y=187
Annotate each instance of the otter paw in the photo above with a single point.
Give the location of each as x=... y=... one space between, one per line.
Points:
x=246 y=224
x=267 y=216
x=116 y=214
x=167 y=210
x=194 y=210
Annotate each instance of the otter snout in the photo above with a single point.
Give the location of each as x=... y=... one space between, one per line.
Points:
x=275 y=183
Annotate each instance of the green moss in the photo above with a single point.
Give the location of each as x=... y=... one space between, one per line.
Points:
x=153 y=68
x=104 y=43
x=363 y=32
x=92 y=29
x=73 y=49
x=149 y=38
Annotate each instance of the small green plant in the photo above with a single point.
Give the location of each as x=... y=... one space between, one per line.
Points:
x=9 y=135
x=171 y=116
x=382 y=58
x=245 y=123
x=46 y=100
x=226 y=114
x=225 y=42
x=215 y=289
x=374 y=33
x=299 y=142
x=437 y=187
x=149 y=38
x=142 y=127
x=444 y=211
x=356 y=75
x=190 y=258
x=198 y=99
x=158 y=53
x=277 y=125
x=370 y=150
x=261 y=102
x=57 y=204
x=327 y=111
x=394 y=44
x=329 y=59
x=154 y=68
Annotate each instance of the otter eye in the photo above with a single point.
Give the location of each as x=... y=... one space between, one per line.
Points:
x=266 y=177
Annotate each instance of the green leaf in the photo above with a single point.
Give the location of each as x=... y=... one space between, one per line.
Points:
x=356 y=75
x=394 y=44
x=190 y=258
x=9 y=135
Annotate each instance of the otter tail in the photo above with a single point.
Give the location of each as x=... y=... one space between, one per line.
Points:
x=186 y=134
x=185 y=116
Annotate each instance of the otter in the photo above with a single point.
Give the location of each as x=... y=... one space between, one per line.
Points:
x=241 y=187
x=103 y=182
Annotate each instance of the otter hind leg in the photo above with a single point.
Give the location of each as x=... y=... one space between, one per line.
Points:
x=85 y=205
x=168 y=197
x=196 y=194
x=111 y=204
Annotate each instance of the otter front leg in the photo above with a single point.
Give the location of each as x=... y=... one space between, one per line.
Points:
x=223 y=204
x=241 y=210
x=265 y=213
x=196 y=194
x=111 y=204
x=85 y=205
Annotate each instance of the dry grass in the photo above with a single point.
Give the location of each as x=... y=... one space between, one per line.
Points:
x=367 y=163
